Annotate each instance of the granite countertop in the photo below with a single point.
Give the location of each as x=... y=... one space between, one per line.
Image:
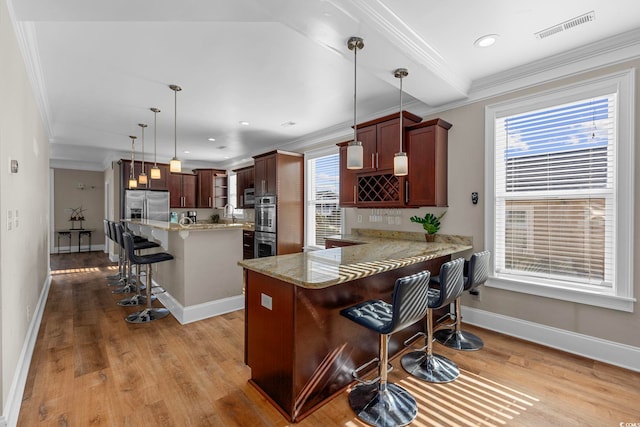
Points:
x=199 y=226
x=376 y=251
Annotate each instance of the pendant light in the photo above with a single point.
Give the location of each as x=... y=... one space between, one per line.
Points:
x=142 y=178
x=133 y=183
x=354 y=149
x=155 y=170
x=175 y=165
x=400 y=161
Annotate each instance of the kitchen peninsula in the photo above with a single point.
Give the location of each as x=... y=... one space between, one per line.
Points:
x=300 y=350
x=203 y=279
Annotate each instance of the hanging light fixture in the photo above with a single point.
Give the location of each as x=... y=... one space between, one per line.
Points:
x=142 y=178
x=133 y=183
x=400 y=161
x=175 y=165
x=354 y=149
x=155 y=170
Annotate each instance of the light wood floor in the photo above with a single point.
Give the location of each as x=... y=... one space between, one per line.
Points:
x=91 y=368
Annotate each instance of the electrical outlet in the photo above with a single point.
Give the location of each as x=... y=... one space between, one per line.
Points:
x=16 y=221
x=359 y=219
x=9 y=220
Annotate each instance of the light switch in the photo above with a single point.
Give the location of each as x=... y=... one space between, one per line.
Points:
x=9 y=220
x=266 y=301
x=16 y=221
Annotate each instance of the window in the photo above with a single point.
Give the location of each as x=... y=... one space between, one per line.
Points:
x=232 y=195
x=323 y=214
x=560 y=197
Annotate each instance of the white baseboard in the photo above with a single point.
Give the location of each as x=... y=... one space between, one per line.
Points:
x=16 y=391
x=74 y=249
x=197 y=312
x=614 y=353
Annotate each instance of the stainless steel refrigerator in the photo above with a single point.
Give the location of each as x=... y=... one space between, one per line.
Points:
x=146 y=204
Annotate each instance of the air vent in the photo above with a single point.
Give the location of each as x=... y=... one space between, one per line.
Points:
x=566 y=25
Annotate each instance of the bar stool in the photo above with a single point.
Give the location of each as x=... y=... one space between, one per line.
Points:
x=427 y=366
x=109 y=234
x=149 y=313
x=477 y=272
x=131 y=282
x=378 y=402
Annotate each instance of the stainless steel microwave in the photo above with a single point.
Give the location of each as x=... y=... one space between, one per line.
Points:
x=249 y=197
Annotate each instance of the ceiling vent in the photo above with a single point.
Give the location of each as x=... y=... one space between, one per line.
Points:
x=566 y=25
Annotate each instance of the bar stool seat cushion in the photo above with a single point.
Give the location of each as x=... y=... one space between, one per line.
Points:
x=145 y=244
x=153 y=258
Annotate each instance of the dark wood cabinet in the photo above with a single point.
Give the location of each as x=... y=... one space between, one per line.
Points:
x=212 y=188
x=265 y=174
x=247 y=244
x=282 y=173
x=153 y=184
x=182 y=190
x=381 y=140
x=375 y=185
x=427 y=147
x=244 y=180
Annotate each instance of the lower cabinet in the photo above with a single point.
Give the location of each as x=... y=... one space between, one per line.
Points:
x=247 y=244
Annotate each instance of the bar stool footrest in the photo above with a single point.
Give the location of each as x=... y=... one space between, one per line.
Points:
x=147 y=315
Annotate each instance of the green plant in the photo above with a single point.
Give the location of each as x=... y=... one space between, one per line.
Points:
x=430 y=222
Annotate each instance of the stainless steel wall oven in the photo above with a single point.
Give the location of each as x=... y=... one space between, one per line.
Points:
x=265 y=226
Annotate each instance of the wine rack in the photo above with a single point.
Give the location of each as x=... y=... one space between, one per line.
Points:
x=384 y=188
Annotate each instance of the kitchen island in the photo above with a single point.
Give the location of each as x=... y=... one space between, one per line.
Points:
x=300 y=350
x=203 y=279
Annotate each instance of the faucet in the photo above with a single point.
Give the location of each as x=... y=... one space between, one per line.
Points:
x=230 y=209
x=185 y=220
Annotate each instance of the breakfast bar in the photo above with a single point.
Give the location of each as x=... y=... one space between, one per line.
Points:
x=203 y=279
x=300 y=350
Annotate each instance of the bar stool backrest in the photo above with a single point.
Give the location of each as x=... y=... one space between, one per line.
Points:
x=410 y=298
x=451 y=283
x=107 y=230
x=127 y=240
x=117 y=232
x=478 y=270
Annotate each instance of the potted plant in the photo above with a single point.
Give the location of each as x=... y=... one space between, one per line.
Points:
x=430 y=223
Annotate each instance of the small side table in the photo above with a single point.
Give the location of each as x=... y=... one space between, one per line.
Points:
x=81 y=234
x=65 y=235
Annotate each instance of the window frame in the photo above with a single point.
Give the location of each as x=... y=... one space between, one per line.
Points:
x=308 y=213
x=620 y=295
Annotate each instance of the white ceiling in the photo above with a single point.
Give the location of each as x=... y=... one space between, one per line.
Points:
x=99 y=66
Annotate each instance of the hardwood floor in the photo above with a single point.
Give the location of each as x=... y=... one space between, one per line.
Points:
x=91 y=368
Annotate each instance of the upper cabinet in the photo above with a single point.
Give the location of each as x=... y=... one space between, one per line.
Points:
x=265 y=174
x=375 y=185
x=427 y=146
x=212 y=188
x=381 y=140
x=244 y=179
x=152 y=184
x=182 y=190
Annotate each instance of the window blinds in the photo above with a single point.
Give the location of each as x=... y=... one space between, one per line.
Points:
x=324 y=198
x=555 y=192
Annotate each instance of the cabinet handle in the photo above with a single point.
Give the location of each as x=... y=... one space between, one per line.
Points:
x=372 y=161
x=376 y=160
x=263 y=183
x=241 y=202
x=210 y=201
x=406 y=192
x=354 y=194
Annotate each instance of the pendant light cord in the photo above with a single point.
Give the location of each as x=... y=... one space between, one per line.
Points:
x=401 y=129
x=355 y=82
x=175 y=123
x=143 y=126
x=155 y=146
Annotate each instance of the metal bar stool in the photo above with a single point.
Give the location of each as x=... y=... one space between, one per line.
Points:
x=424 y=364
x=109 y=234
x=477 y=272
x=378 y=402
x=149 y=313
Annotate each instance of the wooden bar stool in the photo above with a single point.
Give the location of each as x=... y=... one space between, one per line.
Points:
x=426 y=365
x=378 y=402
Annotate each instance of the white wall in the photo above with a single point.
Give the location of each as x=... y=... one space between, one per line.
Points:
x=24 y=254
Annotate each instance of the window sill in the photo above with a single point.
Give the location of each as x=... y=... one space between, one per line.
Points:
x=598 y=299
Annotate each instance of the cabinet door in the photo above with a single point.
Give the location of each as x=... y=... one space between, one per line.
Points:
x=260 y=171
x=158 y=184
x=427 y=179
x=271 y=176
x=388 y=134
x=347 y=181
x=174 y=181
x=189 y=190
x=205 y=188
x=368 y=135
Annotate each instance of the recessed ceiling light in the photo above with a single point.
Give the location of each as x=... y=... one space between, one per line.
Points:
x=244 y=123
x=227 y=157
x=186 y=151
x=486 y=41
x=211 y=139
